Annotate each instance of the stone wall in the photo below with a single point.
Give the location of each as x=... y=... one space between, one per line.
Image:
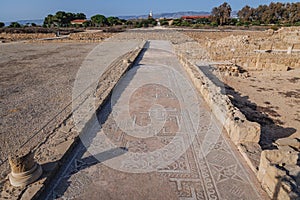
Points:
x=239 y=48
x=96 y=36
x=9 y=37
x=279 y=169
x=239 y=129
x=90 y=36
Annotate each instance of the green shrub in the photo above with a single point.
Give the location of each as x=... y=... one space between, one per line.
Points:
x=275 y=27
x=198 y=26
x=233 y=21
x=177 y=22
x=154 y=23
x=185 y=23
x=164 y=22
x=255 y=23
x=297 y=23
x=214 y=24
x=246 y=23
x=15 y=25
x=239 y=24
x=139 y=25
x=129 y=22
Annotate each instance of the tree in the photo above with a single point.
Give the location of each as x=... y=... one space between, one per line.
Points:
x=112 y=21
x=202 y=21
x=259 y=12
x=87 y=24
x=221 y=14
x=246 y=14
x=129 y=22
x=164 y=22
x=79 y=16
x=215 y=15
x=62 y=19
x=177 y=22
x=274 y=13
x=99 y=20
x=295 y=13
x=48 y=21
x=2 y=24
x=15 y=25
x=225 y=13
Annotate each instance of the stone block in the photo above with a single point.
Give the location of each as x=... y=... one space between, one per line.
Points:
x=284 y=156
x=278 y=67
x=275 y=180
x=242 y=131
x=292 y=142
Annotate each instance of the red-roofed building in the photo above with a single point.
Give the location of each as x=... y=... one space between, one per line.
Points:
x=78 y=21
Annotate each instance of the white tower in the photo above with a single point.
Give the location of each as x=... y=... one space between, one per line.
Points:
x=150 y=14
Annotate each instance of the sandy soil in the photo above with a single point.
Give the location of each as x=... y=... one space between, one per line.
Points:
x=271 y=98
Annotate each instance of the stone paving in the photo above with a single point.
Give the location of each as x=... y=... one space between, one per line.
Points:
x=157 y=140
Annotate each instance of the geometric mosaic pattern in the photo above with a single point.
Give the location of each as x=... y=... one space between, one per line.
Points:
x=208 y=168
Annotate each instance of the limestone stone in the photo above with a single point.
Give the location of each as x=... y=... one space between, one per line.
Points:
x=24 y=169
x=292 y=142
x=285 y=155
x=243 y=131
x=279 y=67
x=21 y=162
x=272 y=175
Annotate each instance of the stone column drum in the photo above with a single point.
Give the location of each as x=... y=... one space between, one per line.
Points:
x=24 y=170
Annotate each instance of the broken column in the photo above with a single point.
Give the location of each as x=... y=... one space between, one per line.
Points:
x=24 y=169
x=290 y=49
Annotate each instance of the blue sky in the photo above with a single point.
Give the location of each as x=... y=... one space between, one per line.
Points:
x=12 y=10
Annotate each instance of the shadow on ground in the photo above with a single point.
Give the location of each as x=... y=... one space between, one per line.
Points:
x=74 y=161
x=271 y=129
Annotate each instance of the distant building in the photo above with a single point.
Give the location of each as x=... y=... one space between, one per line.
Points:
x=150 y=16
x=78 y=21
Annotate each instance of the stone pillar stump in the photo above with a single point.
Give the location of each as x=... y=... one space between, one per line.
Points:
x=24 y=170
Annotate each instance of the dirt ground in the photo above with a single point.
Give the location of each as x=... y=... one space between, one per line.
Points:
x=272 y=100
x=269 y=97
x=36 y=84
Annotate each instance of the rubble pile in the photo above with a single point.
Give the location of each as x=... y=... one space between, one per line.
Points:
x=269 y=50
x=90 y=37
x=10 y=37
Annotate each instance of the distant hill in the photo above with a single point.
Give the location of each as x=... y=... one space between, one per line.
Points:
x=166 y=15
x=24 y=22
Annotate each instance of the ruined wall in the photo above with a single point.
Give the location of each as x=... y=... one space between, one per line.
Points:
x=9 y=37
x=279 y=169
x=239 y=48
x=86 y=36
